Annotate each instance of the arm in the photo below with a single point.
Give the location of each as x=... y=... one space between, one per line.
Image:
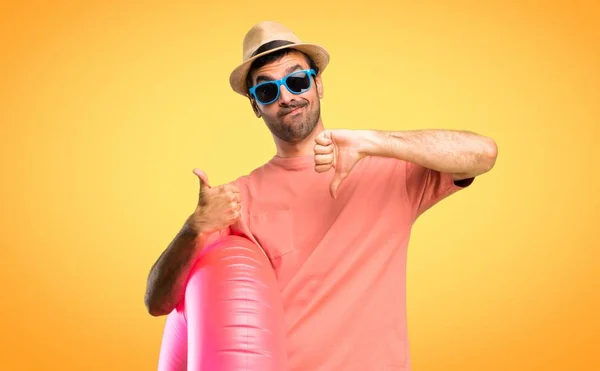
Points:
x=166 y=281
x=461 y=153
x=217 y=209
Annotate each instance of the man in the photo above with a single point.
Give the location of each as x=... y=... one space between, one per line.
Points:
x=333 y=210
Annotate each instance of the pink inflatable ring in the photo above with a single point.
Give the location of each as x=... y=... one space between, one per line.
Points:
x=232 y=316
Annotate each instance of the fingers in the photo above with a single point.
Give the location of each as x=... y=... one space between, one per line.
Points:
x=324 y=138
x=235 y=210
x=235 y=206
x=322 y=168
x=231 y=188
x=236 y=215
x=230 y=191
x=233 y=195
x=324 y=157
x=323 y=150
x=323 y=163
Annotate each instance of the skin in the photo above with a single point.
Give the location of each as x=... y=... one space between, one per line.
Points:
x=294 y=133
x=216 y=210
x=461 y=153
x=297 y=129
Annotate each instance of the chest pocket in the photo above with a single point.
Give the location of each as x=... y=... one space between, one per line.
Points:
x=274 y=232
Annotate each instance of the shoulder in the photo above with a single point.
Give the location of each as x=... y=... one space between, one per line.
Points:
x=243 y=181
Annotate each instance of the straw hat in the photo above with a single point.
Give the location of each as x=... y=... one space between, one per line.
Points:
x=267 y=37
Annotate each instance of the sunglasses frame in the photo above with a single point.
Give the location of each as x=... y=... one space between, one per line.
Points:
x=283 y=82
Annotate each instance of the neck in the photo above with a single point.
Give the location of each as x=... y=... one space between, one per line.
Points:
x=302 y=148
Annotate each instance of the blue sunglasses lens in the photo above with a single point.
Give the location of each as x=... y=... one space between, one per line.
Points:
x=266 y=92
x=296 y=83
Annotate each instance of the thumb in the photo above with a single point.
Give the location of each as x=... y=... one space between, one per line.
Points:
x=324 y=138
x=338 y=177
x=202 y=177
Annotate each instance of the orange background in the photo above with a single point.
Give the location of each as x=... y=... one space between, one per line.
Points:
x=106 y=107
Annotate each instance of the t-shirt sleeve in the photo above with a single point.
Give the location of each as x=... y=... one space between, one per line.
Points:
x=426 y=187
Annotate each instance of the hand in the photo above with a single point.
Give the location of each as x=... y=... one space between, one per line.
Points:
x=340 y=149
x=217 y=208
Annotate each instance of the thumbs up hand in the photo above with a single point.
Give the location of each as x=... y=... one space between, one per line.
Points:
x=338 y=149
x=217 y=209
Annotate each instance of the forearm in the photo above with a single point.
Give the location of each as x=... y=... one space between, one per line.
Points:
x=166 y=281
x=461 y=153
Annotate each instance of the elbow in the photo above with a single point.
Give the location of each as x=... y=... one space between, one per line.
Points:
x=483 y=160
x=489 y=155
x=155 y=308
x=156 y=311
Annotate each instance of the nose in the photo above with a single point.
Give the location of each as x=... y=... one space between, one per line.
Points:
x=285 y=97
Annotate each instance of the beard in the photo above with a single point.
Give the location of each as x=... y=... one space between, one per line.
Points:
x=298 y=127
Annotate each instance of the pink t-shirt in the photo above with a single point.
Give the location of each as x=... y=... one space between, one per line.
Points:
x=341 y=264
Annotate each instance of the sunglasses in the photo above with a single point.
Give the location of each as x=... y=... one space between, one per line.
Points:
x=296 y=83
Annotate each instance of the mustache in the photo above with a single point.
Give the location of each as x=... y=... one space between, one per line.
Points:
x=290 y=107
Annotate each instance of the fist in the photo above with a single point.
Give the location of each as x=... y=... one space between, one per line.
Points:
x=218 y=207
x=340 y=150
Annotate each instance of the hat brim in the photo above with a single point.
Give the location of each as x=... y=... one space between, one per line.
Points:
x=237 y=79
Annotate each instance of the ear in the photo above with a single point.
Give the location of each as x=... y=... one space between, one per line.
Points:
x=254 y=107
x=319 y=84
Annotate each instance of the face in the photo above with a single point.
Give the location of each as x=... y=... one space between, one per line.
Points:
x=292 y=117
